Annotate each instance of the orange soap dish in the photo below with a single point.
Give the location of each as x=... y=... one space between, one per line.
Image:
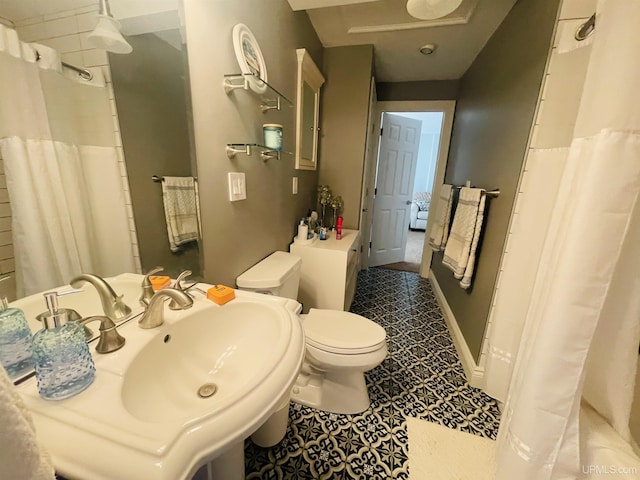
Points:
x=221 y=294
x=158 y=282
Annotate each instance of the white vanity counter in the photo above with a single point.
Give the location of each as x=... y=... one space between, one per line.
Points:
x=329 y=271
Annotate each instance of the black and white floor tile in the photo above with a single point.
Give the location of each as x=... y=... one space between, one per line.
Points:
x=421 y=377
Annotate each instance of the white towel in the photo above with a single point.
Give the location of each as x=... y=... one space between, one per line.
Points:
x=20 y=455
x=460 y=252
x=180 y=210
x=440 y=230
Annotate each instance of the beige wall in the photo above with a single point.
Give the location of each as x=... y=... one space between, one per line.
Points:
x=236 y=235
x=494 y=114
x=427 y=90
x=149 y=86
x=343 y=124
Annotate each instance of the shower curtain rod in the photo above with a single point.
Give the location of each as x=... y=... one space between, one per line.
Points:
x=83 y=72
x=487 y=193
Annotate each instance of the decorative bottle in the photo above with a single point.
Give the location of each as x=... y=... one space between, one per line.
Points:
x=15 y=341
x=339 y=229
x=63 y=363
x=303 y=231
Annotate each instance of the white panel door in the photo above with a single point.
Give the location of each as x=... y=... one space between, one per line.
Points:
x=397 y=159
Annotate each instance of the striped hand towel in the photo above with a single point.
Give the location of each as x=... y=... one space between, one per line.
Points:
x=180 y=210
x=440 y=229
x=460 y=252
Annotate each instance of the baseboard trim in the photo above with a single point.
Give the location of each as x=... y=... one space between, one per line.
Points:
x=474 y=373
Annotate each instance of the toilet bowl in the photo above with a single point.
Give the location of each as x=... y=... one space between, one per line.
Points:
x=340 y=346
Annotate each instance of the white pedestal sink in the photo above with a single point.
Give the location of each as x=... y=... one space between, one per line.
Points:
x=151 y=413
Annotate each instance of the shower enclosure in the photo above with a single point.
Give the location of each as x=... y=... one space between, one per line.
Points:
x=63 y=174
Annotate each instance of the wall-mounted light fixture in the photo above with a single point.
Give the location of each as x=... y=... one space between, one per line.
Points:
x=106 y=35
x=431 y=9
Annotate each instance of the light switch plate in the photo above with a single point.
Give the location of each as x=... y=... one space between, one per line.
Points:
x=294 y=186
x=237 y=186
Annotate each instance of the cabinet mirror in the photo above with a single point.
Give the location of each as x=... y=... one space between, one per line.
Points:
x=310 y=80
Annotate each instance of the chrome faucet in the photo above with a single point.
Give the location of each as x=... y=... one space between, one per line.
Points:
x=154 y=315
x=178 y=286
x=110 y=340
x=147 y=288
x=112 y=304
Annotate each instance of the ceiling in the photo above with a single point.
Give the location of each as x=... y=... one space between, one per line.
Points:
x=397 y=36
x=160 y=17
x=23 y=9
x=19 y=10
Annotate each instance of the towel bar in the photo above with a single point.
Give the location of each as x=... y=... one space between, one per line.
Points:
x=156 y=178
x=487 y=193
x=492 y=193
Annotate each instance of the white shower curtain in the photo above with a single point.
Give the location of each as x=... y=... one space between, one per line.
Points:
x=64 y=183
x=580 y=342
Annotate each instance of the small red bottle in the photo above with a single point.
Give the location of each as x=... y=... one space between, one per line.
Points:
x=339 y=228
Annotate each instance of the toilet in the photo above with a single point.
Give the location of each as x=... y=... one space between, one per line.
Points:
x=340 y=346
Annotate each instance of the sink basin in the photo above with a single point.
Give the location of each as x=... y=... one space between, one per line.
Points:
x=147 y=415
x=203 y=363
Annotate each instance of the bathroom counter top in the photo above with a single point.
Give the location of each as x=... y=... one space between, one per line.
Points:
x=86 y=302
x=331 y=243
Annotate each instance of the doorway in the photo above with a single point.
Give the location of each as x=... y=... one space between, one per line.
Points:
x=395 y=226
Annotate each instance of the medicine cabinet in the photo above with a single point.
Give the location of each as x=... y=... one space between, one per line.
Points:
x=310 y=79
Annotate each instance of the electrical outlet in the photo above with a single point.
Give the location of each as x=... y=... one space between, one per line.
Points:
x=294 y=186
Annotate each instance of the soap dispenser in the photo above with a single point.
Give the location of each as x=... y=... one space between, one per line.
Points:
x=63 y=363
x=15 y=340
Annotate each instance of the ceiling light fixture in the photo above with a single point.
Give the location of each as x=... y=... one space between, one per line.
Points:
x=428 y=49
x=106 y=35
x=431 y=9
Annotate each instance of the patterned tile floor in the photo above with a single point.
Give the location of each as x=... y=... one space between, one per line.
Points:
x=421 y=377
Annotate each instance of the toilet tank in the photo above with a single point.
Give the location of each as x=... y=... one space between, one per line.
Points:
x=278 y=274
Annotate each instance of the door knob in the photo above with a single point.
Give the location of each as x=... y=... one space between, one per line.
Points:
x=408 y=202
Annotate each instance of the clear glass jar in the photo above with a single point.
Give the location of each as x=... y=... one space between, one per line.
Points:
x=15 y=342
x=63 y=362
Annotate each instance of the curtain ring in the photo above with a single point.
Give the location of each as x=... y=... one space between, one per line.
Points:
x=586 y=28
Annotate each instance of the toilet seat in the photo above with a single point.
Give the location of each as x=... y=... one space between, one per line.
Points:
x=341 y=332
